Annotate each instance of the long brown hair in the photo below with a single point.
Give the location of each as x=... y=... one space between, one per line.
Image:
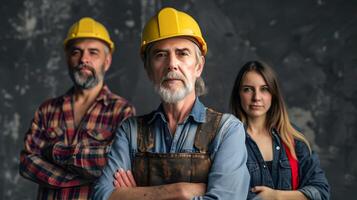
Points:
x=277 y=115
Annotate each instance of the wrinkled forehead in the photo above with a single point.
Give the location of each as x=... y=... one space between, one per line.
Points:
x=179 y=42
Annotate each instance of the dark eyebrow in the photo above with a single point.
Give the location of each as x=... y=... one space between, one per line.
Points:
x=93 y=49
x=155 y=51
x=183 y=49
x=74 y=48
x=77 y=48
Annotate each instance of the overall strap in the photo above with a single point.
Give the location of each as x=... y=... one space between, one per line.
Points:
x=208 y=130
x=145 y=136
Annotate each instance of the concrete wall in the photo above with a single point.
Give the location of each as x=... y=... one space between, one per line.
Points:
x=310 y=43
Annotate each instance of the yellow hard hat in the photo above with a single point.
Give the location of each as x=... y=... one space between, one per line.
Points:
x=169 y=23
x=89 y=28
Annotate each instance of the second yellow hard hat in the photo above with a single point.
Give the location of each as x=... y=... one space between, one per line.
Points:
x=89 y=28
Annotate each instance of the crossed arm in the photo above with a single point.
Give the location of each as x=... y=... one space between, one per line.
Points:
x=126 y=189
x=271 y=194
x=312 y=181
x=55 y=164
x=227 y=179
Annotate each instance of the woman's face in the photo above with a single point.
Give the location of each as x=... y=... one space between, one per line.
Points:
x=255 y=95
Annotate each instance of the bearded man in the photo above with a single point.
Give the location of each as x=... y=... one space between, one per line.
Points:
x=67 y=143
x=182 y=150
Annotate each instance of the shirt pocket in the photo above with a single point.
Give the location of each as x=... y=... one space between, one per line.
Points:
x=100 y=135
x=255 y=173
x=285 y=174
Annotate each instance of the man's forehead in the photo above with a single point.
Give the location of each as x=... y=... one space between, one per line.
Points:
x=173 y=43
x=91 y=42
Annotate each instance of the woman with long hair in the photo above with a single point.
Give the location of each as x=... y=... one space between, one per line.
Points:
x=280 y=161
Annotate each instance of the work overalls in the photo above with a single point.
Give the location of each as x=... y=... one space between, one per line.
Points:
x=152 y=169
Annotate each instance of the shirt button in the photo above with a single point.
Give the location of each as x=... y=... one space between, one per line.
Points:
x=264 y=166
x=277 y=148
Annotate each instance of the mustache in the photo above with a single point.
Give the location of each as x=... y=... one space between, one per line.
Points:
x=82 y=65
x=86 y=66
x=173 y=75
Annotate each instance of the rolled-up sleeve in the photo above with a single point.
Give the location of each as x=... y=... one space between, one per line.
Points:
x=229 y=177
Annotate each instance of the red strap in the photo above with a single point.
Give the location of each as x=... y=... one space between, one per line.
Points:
x=294 y=164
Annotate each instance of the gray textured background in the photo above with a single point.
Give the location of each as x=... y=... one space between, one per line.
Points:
x=312 y=44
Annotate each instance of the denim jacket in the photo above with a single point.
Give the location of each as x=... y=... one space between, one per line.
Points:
x=312 y=181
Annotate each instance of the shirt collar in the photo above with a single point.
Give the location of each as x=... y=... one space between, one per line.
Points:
x=198 y=113
x=104 y=95
x=276 y=136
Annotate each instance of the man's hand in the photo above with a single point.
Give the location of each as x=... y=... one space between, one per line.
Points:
x=265 y=193
x=190 y=190
x=123 y=179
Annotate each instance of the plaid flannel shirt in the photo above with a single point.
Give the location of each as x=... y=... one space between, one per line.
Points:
x=64 y=160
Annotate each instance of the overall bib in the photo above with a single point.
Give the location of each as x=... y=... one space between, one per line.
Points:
x=151 y=169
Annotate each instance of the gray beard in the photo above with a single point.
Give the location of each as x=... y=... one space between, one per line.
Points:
x=170 y=96
x=85 y=82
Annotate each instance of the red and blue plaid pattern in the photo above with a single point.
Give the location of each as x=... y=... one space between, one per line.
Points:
x=78 y=154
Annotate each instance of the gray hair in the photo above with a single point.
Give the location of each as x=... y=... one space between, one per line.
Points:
x=200 y=86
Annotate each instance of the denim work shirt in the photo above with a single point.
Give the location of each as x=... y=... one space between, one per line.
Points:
x=312 y=181
x=228 y=177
